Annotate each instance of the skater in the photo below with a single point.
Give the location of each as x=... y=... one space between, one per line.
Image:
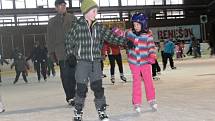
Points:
x=141 y=54
x=86 y=48
x=196 y=48
x=57 y=26
x=39 y=58
x=169 y=50
x=114 y=54
x=190 y=50
x=21 y=66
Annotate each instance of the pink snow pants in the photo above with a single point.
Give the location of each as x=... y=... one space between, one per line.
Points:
x=139 y=73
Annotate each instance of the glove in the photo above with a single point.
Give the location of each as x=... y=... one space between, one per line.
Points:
x=118 y=32
x=130 y=44
x=150 y=60
x=72 y=61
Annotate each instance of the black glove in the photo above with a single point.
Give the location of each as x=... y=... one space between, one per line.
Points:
x=130 y=44
x=72 y=61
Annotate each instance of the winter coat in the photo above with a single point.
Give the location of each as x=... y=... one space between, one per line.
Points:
x=85 y=43
x=144 y=49
x=112 y=49
x=38 y=54
x=169 y=47
x=20 y=64
x=57 y=26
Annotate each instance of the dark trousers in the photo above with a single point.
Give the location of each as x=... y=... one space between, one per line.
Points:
x=102 y=65
x=166 y=57
x=118 y=59
x=51 y=70
x=40 y=67
x=18 y=74
x=67 y=75
x=162 y=57
x=189 y=52
x=155 y=68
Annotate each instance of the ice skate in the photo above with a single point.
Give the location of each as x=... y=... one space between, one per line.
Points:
x=153 y=105
x=137 y=108
x=155 y=78
x=112 y=79
x=78 y=115
x=102 y=114
x=173 y=68
x=123 y=78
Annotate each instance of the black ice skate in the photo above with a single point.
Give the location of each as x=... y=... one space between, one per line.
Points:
x=112 y=79
x=78 y=115
x=123 y=78
x=102 y=114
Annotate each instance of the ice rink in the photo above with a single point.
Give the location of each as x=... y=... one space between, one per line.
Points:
x=184 y=94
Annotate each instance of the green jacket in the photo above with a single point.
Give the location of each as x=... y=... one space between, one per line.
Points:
x=86 y=44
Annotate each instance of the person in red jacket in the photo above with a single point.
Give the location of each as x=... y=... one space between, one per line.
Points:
x=114 y=54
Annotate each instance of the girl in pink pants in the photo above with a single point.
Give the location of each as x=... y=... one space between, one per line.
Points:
x=142 y=73
x=141 y=54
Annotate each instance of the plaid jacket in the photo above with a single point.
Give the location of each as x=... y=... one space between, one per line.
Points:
x=85 y=43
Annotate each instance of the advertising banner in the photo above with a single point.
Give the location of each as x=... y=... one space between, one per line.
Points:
x=176 y=32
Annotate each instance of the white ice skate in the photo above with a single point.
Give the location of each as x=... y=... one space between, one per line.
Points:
x=153 y=105
x=155 y=78
x=2 y=109
x=137 y=108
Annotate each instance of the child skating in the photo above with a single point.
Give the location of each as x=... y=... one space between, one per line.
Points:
x=21 y=66
x=84 y=42
x=141 y=54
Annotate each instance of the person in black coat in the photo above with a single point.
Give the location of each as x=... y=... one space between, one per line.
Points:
x=39 y=58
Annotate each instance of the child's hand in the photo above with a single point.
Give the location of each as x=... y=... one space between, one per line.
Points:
x=118 y=32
